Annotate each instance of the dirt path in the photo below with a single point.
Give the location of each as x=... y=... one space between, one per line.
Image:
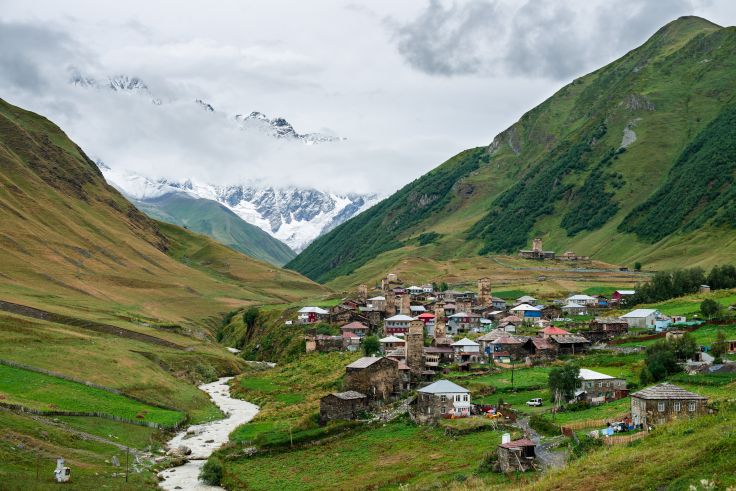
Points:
x=548 y=458
x=35 y=313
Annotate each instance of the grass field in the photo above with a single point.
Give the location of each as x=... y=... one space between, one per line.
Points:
x=376 y=458
x=27 y=444
x=289 y=398
x=44 y=392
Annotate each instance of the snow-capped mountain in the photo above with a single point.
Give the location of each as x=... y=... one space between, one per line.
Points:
x=255 y=121
x=293 y=215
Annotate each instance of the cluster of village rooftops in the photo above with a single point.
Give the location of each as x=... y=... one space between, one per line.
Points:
x=423 y=331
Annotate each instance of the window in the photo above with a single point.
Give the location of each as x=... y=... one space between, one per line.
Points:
x=443 y=398
x=691 y=406
x=660 y=406
x=457 y=397
x=465 y=397
x=677 y=406
x=443 y=409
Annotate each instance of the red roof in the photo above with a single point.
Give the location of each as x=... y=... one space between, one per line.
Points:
x=353 y=326
x=552 y=330
x=524 y=442
x=426 y=315
x=501 y=353
x=349 y=334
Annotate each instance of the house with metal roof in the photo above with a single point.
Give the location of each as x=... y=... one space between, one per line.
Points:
x=310 y=315
x=442 y=399
x=597 y=388
x=641 y=318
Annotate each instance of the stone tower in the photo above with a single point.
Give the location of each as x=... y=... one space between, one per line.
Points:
x=485 y=298
x=439 y=323
x=404 y=308
x=363 y=292
x=390 y=307
x=415 y=348
x=537 y=245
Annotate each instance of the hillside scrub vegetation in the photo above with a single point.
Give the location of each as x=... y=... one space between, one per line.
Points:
x=665 y=285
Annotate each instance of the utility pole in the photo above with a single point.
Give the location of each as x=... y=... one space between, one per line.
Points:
x=127 y=455
x=512 y=374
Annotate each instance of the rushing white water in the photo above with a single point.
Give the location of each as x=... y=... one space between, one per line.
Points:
x=203 y=439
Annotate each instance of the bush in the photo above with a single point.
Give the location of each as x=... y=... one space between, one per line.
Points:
x=577 y=406
x=543 y=426
x=584 y=446
x=212 y=471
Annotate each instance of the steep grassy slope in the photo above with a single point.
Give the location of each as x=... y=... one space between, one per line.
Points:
x=216 y=221
x=573 y=169
x=74 y=245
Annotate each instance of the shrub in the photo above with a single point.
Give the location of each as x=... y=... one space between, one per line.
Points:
x=212 y=471
x=584 y=446
x=543 y=426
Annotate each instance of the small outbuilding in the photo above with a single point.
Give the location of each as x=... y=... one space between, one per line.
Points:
x=517 y=456
x=342 y=405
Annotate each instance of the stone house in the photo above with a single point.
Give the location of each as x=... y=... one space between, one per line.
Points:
x=442 y=398
x=376 y=377
x=390 y=343
x=342 y=405
x=596 y=388
x=323 y=343
x=606 y=328
x=543 y=348
x=516 y=456
x=462 y=322
x=665 y=402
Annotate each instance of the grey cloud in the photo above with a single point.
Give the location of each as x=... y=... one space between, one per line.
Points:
x=540 y=38
x=449 y=40
x=27 y=50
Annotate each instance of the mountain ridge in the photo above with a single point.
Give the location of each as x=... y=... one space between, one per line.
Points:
x=562 y=172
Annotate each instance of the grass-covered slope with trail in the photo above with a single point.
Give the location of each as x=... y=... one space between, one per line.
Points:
x=573 y=170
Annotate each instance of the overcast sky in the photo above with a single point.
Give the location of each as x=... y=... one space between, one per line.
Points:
x=408 y=84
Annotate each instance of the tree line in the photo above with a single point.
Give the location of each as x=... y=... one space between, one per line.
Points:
x=671 y=284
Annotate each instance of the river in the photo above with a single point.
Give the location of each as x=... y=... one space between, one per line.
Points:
x=203 y=439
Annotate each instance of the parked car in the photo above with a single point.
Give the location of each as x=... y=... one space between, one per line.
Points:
x=537 y=401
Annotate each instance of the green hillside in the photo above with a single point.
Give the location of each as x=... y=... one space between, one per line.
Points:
x=214 y=220
x=72 y=244
x=596 y=169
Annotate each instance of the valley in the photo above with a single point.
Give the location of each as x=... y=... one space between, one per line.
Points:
x=555 y=309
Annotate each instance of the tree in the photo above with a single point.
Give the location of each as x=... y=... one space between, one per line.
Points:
x=719 y=347
x=637 y=266
x=710 y=308
x=251 y=316
x=563 y=381
x=371 y=345
x=444 y=287
x=684 y=347
x=661 y=361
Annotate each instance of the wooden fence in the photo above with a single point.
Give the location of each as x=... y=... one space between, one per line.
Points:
x=50 y=413
x=590 y=423
x=35 y=313
x=620 y=439
x=50 y=373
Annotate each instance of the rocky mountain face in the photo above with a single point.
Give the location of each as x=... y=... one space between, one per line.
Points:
x=295 y=216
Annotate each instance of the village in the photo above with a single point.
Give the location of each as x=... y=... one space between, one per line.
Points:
x=420 y=343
